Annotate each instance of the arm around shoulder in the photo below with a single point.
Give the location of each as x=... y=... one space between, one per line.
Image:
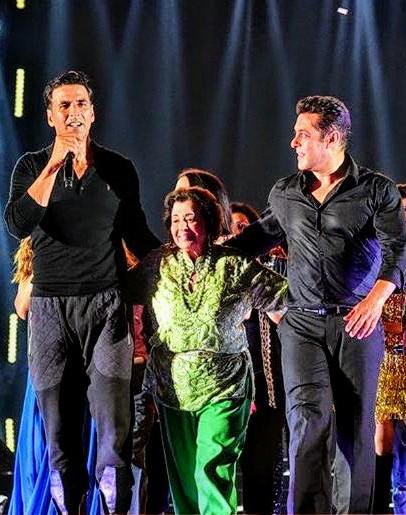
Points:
x=136 y=233
x=141 y=279
x=264 y=234
x=267 y=288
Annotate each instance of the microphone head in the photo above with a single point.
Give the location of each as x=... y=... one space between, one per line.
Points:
x=68 y=171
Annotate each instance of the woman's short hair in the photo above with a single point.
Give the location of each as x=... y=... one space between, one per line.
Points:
x=206 y=202
x=208 y=180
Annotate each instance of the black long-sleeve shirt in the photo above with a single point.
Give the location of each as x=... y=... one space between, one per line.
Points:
x=77 y=238
x=336 y=249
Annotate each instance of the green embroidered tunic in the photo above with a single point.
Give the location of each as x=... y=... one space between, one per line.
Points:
x=199 y=350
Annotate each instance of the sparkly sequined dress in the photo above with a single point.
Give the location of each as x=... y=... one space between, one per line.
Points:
x=391 y=396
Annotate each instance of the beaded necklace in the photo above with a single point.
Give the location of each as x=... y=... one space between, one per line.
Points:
x=192 y=300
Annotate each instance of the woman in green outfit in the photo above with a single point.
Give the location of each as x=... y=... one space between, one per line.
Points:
x=199 y=370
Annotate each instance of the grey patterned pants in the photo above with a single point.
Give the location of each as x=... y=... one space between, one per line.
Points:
x=80 y=346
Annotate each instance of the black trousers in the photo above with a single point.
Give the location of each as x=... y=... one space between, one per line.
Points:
x=261 y=460
x=80 y=346
x=330 y=383
x=148 y=453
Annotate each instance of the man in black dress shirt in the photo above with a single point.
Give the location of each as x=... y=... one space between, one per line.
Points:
x=346 y=238
x=78 y=200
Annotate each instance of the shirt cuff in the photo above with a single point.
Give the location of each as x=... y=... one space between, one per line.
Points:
x=396 y=276
x=30 y=211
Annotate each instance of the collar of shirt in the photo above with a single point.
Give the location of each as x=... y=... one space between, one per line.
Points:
x=84 y=180
x=306 y=178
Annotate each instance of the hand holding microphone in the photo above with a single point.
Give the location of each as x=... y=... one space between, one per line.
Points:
x=66 y=149
x=63 y=146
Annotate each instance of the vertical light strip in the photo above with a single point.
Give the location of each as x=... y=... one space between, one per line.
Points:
x=10 y=434
x=20 y=4
x=12 y=338
x=19 y=93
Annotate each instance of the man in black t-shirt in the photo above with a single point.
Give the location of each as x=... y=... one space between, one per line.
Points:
x=78 y=201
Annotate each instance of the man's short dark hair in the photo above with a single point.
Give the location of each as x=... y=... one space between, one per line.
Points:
x=402 y=190
x=333 y=115
x=207 y=203
x=70 y=77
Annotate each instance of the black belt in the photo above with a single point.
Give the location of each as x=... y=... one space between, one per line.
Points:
x=333 y=310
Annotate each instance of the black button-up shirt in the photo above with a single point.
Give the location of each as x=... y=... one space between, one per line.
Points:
x=339 y=248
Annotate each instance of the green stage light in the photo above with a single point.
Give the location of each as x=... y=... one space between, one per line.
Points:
x=12 y=338
x=10 y=434
x=19 y=93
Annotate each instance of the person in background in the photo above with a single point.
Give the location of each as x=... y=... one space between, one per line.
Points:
x=242 y=215
x=262 y=457
x=208 y=180
x=23 y=277
x=199 y=368
x=390 y=412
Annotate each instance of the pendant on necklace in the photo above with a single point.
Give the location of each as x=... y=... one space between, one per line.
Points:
x=192 y=281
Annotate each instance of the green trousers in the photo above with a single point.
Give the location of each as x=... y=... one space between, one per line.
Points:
x=201 y=451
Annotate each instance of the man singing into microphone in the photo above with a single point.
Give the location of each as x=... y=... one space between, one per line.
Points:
x=78 y=200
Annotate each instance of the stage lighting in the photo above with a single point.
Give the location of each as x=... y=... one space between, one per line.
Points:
x=10 y=434
x=20 y=4
x=19 y=93
x=343 y=10
x=12 y=338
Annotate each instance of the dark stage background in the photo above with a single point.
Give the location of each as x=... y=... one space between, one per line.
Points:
x=204 y=83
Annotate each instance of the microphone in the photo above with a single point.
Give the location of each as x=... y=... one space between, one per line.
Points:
x=68 y=171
